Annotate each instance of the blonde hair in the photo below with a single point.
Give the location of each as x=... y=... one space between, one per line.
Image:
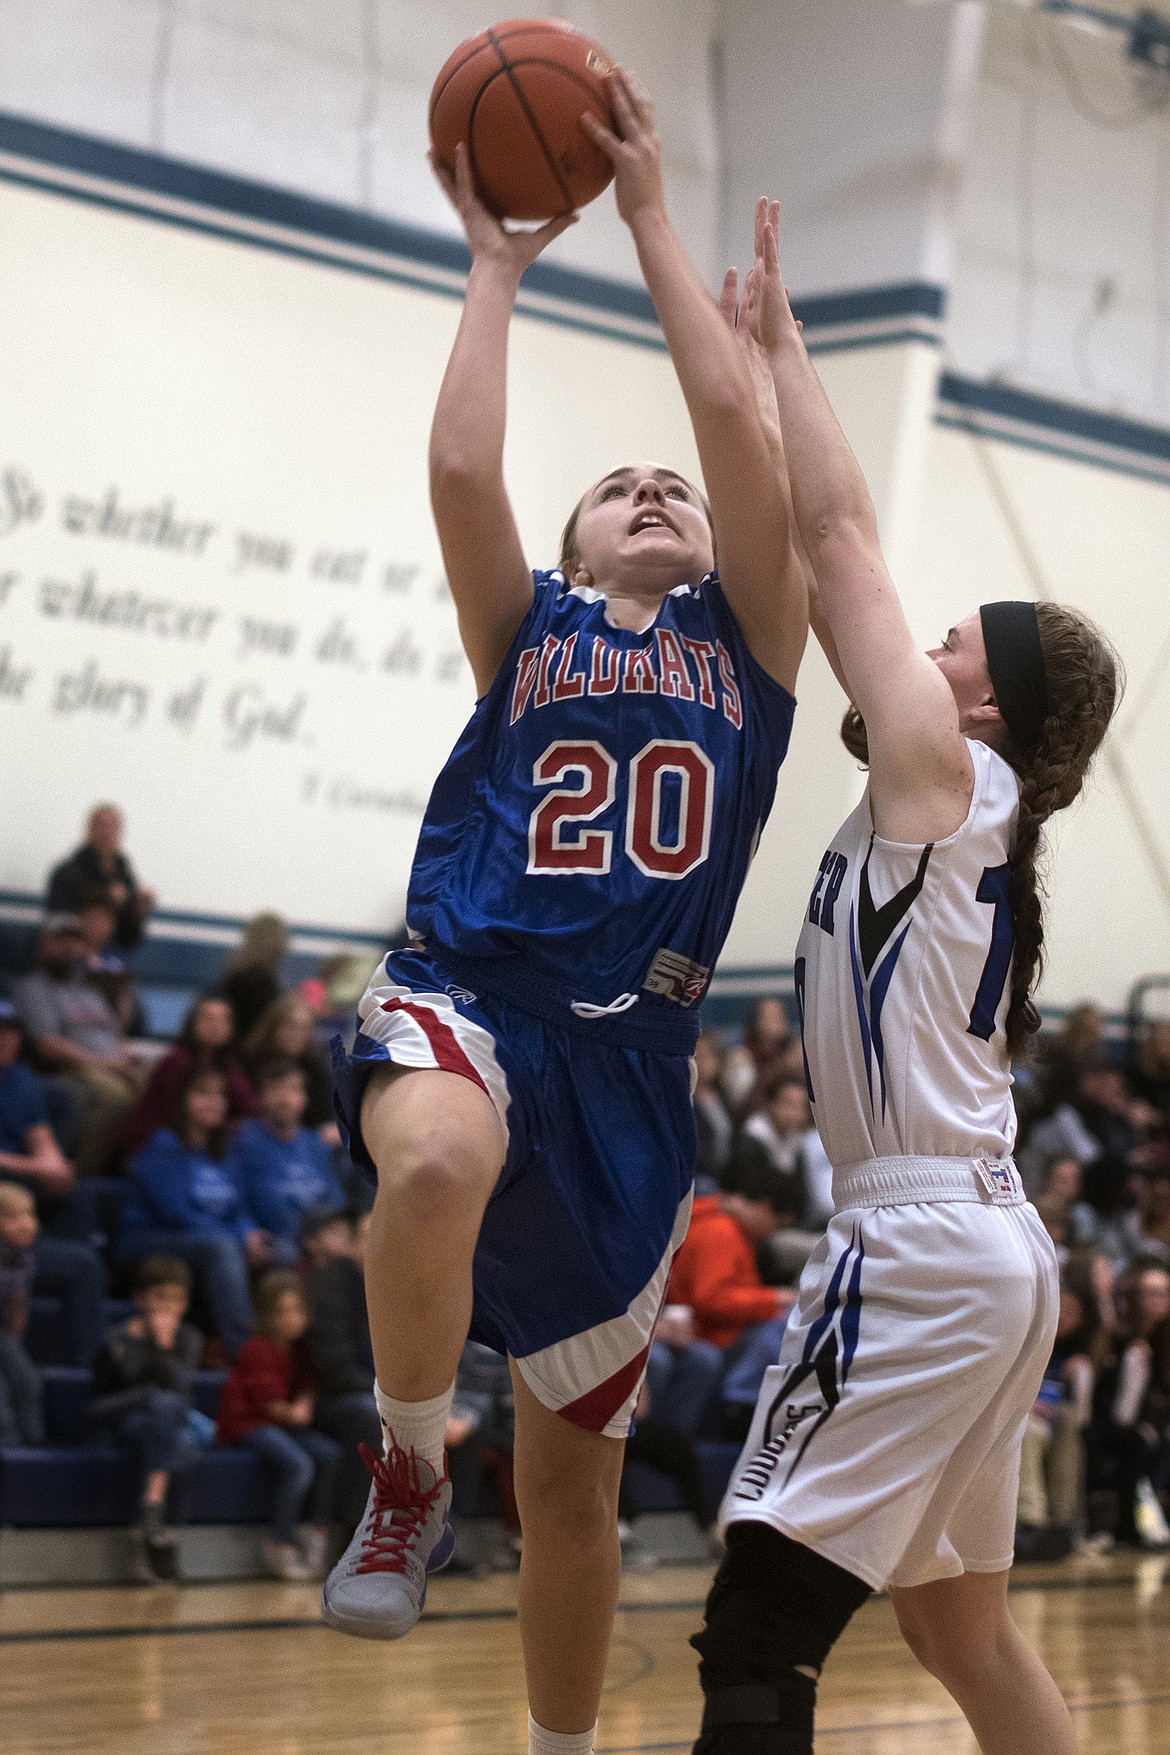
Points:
x=15 y=1199
x=265 y=942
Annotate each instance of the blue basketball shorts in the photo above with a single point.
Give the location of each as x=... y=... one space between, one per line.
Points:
x=594 y=1197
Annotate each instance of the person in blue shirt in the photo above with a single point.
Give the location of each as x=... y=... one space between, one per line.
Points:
x=185 y=1201
x=519 y=1083
x=28 y=1147
x=283 y=1169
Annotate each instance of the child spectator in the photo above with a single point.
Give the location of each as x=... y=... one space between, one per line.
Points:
x=286 y=1032
x=343 y=1358
x=184 y=1201
x=22 y=1420
x=267 y=1404
x=1129 y=1438
x=205 y=1044
x=142 y=1398
x=28 y=1148
x=282 y=1169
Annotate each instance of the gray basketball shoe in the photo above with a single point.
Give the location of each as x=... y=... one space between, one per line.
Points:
x=378 y=1587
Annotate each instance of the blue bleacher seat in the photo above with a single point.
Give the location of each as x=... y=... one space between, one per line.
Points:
x=46 y=1339
x=94 y=1485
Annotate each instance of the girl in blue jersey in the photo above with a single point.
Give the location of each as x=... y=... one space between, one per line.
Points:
x=520 y=1078
x=885 y=1449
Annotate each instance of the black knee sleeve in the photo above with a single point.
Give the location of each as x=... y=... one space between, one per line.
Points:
x=775 y=1609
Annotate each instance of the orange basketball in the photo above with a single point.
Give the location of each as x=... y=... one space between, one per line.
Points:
x=515 y=96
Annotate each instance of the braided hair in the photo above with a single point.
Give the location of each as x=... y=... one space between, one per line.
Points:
x=1085 y=679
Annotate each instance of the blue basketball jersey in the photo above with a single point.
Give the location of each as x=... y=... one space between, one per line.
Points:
x=592 y=829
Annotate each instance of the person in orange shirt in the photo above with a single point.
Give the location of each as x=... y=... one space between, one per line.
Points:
x=715 y=1275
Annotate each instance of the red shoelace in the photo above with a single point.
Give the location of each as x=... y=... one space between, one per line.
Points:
x=401 y=1507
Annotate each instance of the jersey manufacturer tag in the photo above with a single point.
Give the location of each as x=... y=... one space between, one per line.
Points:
x=998 y=1178
x=676 y=978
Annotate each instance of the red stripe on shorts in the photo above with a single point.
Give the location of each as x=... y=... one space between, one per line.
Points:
x=597 y=1407
x=449 y=1057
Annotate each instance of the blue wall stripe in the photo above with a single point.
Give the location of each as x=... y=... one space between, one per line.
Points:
x=1057 y=416
x=218 y=191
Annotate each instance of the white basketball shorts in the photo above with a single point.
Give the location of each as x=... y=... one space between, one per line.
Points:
x=888 y=1436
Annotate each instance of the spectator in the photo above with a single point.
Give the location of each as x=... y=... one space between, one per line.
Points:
x=75 y=1033
x=1107 y=1184
x=1114 y=1118
x=100 y=864
x=334 y=993
x=286 y=1031
x=657 y=1444
x=716 y=1275
x=1151 y=1079
x=267 y=1404
x=1063 y=1180
x=713 y=1126
x=104 y=969
x=251 y=980
x=479 y=1440
x=782 y=1135
x=766 y=1041
x=22 y=1419
x=1129 y=1438
x=1063 y=1056
x=206 y=1043
x=1146 y=1229
x=28 y=1148
x=69 y=1271
x=683 y=1372
x=1052 y=1476
x=343 y=1358
x=185 y=1202
x=282 y=1168
x=142 y=1398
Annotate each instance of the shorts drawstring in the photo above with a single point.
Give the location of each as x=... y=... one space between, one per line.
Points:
x=582 y=1008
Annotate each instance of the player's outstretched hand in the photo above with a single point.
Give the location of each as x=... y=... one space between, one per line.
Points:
x=737 y=313
x=486 y=236
x=768 y=313
x=633 y=149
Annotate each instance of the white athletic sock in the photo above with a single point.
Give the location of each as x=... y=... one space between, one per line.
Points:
x=417 y=1426
x=542 y=1742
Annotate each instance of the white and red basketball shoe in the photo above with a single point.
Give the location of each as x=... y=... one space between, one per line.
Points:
x=378 y=1587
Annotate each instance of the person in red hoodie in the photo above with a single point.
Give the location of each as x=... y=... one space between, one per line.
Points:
x=267 y=1404
x=715 y=1274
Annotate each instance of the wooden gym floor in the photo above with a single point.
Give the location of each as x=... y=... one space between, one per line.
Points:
x=248 y=1670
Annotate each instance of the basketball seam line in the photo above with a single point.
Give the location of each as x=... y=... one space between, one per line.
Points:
x=532 y=123
x=519 y=30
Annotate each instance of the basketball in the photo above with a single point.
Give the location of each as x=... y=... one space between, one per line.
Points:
x=515 y=95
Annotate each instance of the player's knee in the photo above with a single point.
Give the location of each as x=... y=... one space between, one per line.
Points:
x=956 y=1654
x=580 y=1507
x=774 y=1613
x=432 y=1177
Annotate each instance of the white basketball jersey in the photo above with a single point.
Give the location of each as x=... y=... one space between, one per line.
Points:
x=901 y=975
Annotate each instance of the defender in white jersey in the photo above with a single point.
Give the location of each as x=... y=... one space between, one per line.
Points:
x=885 y=1448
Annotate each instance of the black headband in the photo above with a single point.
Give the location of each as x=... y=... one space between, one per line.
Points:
x=1015 y=662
